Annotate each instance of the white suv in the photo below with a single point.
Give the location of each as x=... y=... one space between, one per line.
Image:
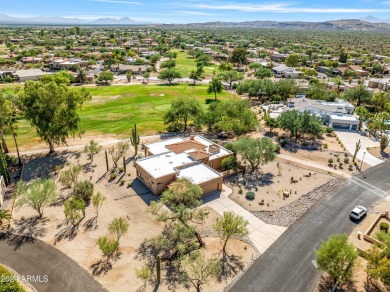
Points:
x=358 y=212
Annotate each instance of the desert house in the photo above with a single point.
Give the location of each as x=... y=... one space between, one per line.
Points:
x=338 y=114
x=195 y=158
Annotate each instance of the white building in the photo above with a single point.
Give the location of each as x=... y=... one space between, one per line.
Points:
x=338 y=114
x=28 y=74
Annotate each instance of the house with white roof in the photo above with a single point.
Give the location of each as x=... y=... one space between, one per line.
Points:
x=195 y=158
x=338 y=114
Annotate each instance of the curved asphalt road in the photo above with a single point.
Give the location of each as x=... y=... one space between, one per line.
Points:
x=287 y=265
x=36 y=258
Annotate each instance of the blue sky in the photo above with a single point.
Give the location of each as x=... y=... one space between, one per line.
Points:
x=185 y=11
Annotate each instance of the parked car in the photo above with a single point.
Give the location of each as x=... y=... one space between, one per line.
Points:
x=358 y=212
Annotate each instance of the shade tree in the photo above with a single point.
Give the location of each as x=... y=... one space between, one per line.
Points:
x=52 y=109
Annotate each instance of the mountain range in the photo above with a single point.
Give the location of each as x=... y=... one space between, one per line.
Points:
x=6 y=19
x=333 y=25
x=368 y=23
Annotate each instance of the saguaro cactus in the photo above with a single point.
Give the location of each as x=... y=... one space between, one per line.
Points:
x=158 y=270
x=124 y=164
x=358 y=146
x=106 y=155
x=134 y=138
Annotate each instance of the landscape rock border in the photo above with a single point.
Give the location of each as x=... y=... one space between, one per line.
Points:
x=288 y=214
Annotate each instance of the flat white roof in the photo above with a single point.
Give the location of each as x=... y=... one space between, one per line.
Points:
x=347 y=118
x=198 y=173
x=165 y=163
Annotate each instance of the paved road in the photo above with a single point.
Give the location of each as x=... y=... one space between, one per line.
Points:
x=287 y=265
x=40 y=259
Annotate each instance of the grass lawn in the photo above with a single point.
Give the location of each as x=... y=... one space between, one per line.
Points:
x=114 y=109
x=185 y=64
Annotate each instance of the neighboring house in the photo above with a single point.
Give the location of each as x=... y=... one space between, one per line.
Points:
x=131 y=59
x=381 y=84
x=359 y=71
x=2 y=190
x=279 y=57
x=28 y=74
x=31 y=60
x=278 y=70
x=66 y=64
x=135 y=69
x=328 y=71
x=286 y=72
x=195 y=158
x=4 y=74
x=291 y=73
x=355 y=61
x=149 y=53
x=338 y=114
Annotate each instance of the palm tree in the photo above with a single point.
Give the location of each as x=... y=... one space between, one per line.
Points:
x=4 y=215
x=339 y=82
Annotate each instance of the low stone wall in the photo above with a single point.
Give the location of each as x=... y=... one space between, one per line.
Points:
x=367 y=234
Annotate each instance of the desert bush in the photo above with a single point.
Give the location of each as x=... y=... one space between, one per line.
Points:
x=384 y=227
x=83 y=190
x=250 y=195
x=330 y=160
x=329 y=130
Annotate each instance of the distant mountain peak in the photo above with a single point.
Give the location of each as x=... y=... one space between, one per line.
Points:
x=4 y=18
x=373 y=19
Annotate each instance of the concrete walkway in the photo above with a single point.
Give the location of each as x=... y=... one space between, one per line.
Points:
x=315 y=165
x=261 y=234
x=350 y=138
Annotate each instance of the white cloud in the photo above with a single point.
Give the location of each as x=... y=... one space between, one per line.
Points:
x=281 y=7
x=118 y=1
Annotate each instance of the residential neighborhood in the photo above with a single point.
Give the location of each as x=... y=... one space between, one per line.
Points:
x=181 y=153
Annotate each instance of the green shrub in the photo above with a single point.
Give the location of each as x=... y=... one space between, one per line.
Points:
x=325 y=145
x=8 y=282
x=338 y=159
x=329 y=130
x=346 y=160
x=330 y=160
x=113 y=176
x=240 y=191
x=129 y=185
x=283 y=142
x=122 y=182
x=83 y=190
x=384 y=227
x=250 y=195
